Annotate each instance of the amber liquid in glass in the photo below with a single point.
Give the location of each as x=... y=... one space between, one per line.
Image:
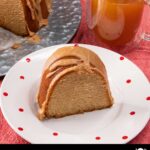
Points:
x=116 y=22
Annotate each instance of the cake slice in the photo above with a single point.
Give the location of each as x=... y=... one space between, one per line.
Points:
x=24 y=17
x=74 y=81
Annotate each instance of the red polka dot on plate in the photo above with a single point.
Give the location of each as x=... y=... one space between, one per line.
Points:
x=132 y=113
x=20 y=129
x=21 y=109
x=5 y=94
x=22 y=77
x=76 y=44
x=121 y=58
x=148 y=98
x=28 y=60
x=128 y=81
x=125 y=137
x=98 y=138
x=55 y=134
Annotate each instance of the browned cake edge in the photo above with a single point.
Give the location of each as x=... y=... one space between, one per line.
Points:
x=36 y=17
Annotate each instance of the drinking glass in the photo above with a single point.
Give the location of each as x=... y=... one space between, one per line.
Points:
x=146 y=29
x=114 y=22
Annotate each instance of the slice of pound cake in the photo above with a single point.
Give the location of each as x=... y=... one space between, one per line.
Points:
x=74 y=81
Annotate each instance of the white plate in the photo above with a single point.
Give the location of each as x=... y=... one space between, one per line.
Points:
x=118 y=124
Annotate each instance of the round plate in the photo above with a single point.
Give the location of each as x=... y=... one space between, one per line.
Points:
x=63 y=24
x=119 y=124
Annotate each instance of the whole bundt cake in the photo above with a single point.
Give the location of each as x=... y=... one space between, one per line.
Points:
x=24 y=17
x=74 y=81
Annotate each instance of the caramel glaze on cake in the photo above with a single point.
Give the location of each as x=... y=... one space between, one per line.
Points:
x=74 y=80
x=24 y=17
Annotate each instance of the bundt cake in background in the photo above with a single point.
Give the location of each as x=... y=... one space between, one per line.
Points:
x=74 y=80
x=24 y=17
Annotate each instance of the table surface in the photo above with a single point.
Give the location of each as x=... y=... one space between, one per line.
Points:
x=140 y=55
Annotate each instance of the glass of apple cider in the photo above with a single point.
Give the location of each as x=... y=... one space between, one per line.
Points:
x=114 y=22
x=146 y=29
